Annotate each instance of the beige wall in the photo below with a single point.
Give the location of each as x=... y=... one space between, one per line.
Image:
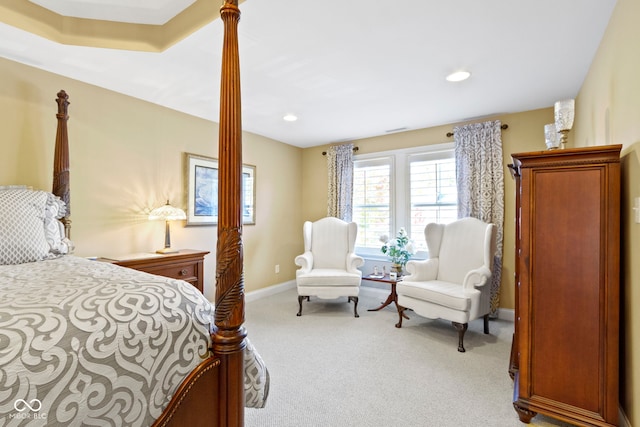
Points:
x=525 y=133
x=608 y=112
x=127 y=158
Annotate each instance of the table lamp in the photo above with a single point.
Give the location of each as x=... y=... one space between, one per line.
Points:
x=167 y=213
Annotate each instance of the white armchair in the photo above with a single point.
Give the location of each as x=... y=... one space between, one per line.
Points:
x=329 y=266
x=454 y=283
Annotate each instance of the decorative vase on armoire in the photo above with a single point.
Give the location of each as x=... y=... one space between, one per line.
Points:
x=564 y=358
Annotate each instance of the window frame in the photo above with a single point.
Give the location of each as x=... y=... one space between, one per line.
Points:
x=400 y=182
x=375 y=159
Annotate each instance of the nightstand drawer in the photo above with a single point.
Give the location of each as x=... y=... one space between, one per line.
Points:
x=182 y=271
x=187 y=265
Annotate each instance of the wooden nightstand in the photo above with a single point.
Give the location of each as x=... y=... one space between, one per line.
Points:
x=187 y=265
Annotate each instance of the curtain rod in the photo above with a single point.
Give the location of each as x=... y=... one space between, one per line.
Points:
x=324 y=153
x=503 y=127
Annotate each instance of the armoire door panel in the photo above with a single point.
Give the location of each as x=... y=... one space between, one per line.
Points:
x=566 y=270
x=567 y=285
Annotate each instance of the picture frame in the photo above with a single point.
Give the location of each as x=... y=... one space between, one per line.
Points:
x=201 y=178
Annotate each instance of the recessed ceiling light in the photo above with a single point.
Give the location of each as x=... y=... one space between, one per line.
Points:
x=458 y=76
x=290 y=118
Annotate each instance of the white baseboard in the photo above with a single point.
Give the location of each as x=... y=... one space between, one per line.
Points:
x=291 y=284
x=503 y=313
x=382 y=292
x=270 y=290
x=506 y=314
x=624 y=421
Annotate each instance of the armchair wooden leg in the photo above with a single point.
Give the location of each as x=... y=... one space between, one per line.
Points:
x=461 y=328
x=355 y=305
x=486 y=323
x=300 y=298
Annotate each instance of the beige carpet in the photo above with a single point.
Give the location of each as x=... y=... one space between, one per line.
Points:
x=329 y=368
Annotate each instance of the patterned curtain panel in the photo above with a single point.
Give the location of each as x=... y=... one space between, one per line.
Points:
x=340 y=192
x=480 y=182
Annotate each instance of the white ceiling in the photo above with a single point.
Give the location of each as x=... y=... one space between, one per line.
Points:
x=348 y=69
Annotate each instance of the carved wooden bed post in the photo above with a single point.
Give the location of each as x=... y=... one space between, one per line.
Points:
x=229 y=335
x=61 y=184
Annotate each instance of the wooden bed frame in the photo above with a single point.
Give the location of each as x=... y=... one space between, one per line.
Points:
x=213 y=394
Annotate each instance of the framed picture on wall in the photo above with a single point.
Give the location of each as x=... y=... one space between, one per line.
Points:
x=202 y=191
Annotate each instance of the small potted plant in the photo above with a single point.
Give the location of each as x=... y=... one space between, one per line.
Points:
x=398 y=249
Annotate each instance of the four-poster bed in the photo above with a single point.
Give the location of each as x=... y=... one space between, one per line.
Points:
x=205 y=364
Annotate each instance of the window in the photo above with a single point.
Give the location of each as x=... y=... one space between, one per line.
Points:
x=403 y=188
x=372 y=200
x=433 y=195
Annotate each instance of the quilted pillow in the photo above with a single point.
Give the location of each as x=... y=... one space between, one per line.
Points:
x=22 y=237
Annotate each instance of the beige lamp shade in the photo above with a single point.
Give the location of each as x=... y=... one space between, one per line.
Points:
x=167 y=213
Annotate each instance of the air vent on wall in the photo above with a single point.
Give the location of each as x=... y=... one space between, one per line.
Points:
x=396 y=130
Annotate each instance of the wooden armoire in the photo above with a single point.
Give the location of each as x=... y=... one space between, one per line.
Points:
x=564 y=359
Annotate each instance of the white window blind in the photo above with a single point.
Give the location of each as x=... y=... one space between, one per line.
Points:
x=372 y=200
x=433 y=194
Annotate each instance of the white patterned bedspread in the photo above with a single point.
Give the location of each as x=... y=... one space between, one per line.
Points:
x=90 y=343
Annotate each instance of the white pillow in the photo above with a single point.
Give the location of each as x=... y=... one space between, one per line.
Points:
x=22 y=236
x=55 y=209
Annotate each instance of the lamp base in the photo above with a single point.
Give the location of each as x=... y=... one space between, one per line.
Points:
x=564 y=137
x=167 y=251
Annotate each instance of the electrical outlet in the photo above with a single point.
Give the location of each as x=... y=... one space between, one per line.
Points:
x=636 y=209
x=277 y=268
